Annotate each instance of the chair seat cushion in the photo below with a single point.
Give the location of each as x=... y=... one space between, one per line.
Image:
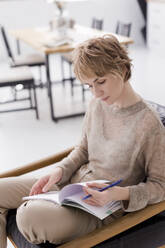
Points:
x=15 y=75
x=28 y=60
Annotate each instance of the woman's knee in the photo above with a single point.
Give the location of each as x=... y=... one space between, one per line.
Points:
x=27 y=219
x=39 y=221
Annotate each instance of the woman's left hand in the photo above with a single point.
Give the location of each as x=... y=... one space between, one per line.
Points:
x=115 y=193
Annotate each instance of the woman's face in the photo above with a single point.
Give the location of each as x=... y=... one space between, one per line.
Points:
x=108 y=88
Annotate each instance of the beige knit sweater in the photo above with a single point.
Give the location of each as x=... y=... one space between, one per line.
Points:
x=121 y=143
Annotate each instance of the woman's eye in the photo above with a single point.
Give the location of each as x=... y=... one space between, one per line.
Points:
x=101 y=82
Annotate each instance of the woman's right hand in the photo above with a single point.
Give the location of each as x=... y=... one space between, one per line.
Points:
x=45 y=183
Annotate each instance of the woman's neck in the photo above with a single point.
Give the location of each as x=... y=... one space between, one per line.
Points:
x=128 y=97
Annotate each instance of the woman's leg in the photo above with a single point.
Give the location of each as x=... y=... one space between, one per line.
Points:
x=11 y=192
x=40 y=221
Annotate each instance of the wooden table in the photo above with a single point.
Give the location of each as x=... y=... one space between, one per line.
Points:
x=40 y=38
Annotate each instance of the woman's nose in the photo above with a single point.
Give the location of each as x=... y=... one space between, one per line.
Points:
x=97 y=92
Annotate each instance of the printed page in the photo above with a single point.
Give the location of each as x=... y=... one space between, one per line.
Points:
x=49 y=196
x=100 y=212
x=59 y=196
x=75 y=188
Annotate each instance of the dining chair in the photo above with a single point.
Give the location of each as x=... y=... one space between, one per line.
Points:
x=67 y=58
x=32 y=60
x=123 y=28
x=144 y=228
x=13 y=77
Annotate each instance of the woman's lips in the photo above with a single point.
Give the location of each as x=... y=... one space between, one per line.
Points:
x=105 y=99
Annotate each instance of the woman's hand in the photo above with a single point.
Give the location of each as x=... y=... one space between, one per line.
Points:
x=115 y=193
x=44 y=183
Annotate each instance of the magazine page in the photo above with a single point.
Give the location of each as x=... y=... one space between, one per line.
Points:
x=59 y=196
x=49 y=196
x=72 y=195
x=76 y=188
x=100 y=212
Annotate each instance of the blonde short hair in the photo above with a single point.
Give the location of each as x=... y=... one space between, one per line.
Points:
x=100 y=56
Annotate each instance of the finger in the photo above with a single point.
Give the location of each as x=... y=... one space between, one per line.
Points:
x=96 y=185
x=85 y=191
x=48 y=185
x=37 y=187
x=33 y=190
x=95 y=193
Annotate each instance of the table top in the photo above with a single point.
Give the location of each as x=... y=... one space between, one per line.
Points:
x=45 y=41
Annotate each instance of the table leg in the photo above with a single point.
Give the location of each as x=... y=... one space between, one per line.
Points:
x=49 y=83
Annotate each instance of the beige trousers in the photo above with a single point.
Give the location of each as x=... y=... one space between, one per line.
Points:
x=40 y=221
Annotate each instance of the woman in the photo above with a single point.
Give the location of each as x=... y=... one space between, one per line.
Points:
x=122 y=138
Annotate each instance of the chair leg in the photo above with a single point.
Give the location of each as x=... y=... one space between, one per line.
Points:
x=62 y=71
x=35 y=101
x=14 y=92
x=30 y=97
x=40 y=76
x=71 y=79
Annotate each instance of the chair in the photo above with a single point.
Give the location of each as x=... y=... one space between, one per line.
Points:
x=14 y=77
x=123 y=28
x=22 y=60
x=67 y=58
x=97 y=23
x=143 y=228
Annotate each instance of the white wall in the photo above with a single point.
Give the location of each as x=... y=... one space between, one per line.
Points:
x=28 y=13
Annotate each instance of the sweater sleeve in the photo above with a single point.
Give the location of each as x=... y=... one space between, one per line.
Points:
x=153 y=190
x=79 y=155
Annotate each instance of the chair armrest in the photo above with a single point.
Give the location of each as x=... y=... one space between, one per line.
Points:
x=37 y=165
x=118 y=226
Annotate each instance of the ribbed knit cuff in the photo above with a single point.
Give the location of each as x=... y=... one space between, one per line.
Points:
x=138 y=199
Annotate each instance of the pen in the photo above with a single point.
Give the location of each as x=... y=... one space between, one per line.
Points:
x=106 y=187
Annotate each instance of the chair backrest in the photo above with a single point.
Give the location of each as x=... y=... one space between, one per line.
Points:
x=7 y=46
x=123 y=28
x=97 y=23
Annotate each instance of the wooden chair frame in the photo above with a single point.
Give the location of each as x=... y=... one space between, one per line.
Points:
x=118 y=226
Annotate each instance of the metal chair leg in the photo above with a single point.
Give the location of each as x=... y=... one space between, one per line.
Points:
x=14 y=93
x=30 y=97
x=62 y=71
x=40 y=76
x=35 y=101
x=71 y=79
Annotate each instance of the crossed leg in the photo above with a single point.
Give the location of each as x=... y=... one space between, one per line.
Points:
x=11 y=192
x=40 y=221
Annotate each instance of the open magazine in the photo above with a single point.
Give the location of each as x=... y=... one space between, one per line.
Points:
x=72 y=194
